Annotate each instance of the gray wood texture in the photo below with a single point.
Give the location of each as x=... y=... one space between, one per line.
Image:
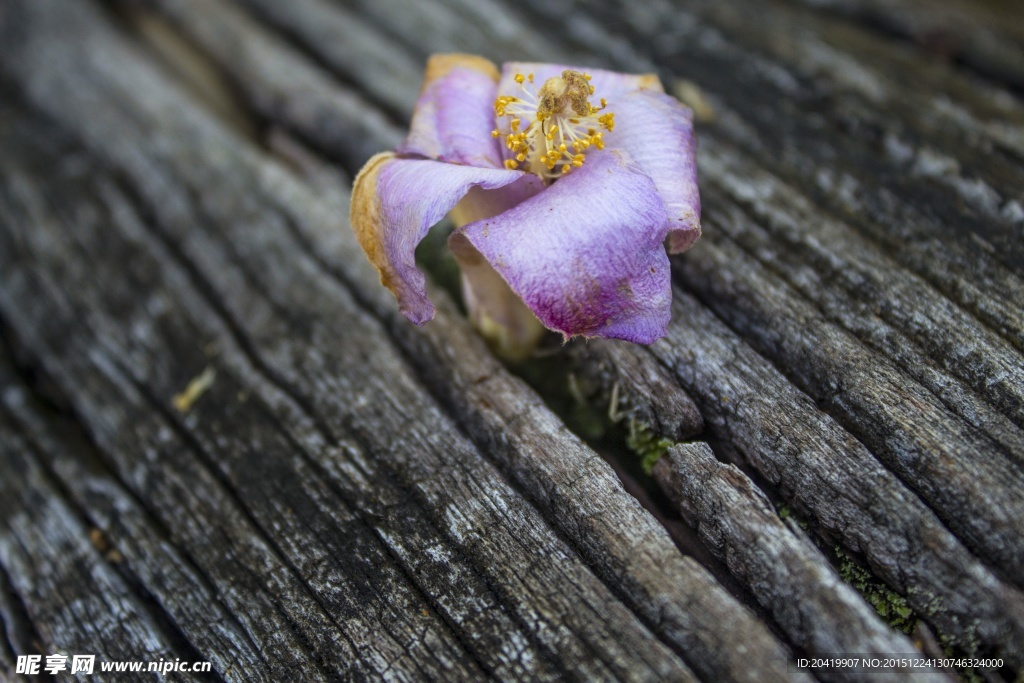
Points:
x=219 y=441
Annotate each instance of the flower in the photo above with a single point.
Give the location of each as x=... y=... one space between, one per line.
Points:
x=566 y=186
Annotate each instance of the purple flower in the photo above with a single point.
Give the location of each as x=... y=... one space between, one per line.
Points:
x=567 y=187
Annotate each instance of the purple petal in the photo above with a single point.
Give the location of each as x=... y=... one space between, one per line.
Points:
x=394 y=204
x=454 y=115
x=607 y=84
x=656 y=132
x=497 y=312
x=586 y=255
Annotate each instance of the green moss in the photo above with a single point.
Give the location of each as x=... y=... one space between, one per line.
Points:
x=589 y=423
x=646 y=444
x=891 y=606
x=551 y=376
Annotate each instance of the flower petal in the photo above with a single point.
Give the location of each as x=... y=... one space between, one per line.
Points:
x=394 y=204
x=656 y=132
x=454 y=115
x=501 y=317
x=586 y=255
x=497 y=312
x=480 y=203
x=607 y=84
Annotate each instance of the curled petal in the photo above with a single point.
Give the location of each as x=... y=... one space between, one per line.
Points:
x=607 y=84
x=656 y=132
x=480 y=203
x=394 y=204
x=454 y=115
x=586 y=255
x=500 y=316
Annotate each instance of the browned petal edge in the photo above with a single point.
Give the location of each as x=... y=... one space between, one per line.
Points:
x=650 y=82
x=440 y=65
x=366 y=219
x=681 y=240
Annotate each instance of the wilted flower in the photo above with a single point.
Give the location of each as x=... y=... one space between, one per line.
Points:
x=566 y=187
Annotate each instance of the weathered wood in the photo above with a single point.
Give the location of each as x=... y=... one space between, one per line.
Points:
x=986 y=37
x=124 y=529
x=884 y=90
x=20 y=636
x=632 y=384
x=761 y=419
x=972 y=486
x=349 y=44
x=793 y=581
x=279 y=84
x=74 y=596
x=972 y=371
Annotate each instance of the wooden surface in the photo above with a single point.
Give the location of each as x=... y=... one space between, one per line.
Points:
x=219 y=441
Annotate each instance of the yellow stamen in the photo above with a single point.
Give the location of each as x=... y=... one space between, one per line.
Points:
x=561 y=124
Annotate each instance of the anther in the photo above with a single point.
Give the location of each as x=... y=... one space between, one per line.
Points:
x=560 y=109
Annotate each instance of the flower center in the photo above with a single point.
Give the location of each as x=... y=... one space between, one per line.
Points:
x=549 y=131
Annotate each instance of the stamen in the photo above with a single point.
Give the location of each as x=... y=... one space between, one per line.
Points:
x=559 y=109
